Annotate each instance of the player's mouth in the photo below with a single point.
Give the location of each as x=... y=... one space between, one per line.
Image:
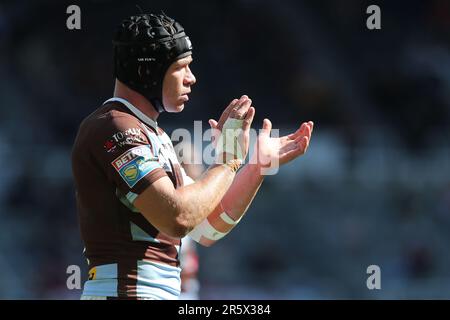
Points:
x=184 y=97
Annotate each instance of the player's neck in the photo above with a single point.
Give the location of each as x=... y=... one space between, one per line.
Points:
x=136 y=99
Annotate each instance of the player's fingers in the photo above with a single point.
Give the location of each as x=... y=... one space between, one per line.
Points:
x=311 y=125
x=228 y=109
x=226 y=113
x=304 y=128
x=267 y=127
x=302 y=145
x=242 y=99
x=214 y=131
x=241 y=108
x=239 y=102
x=248 y=119
x=305 y=132
x=311 y=128
x=300 y=148
x=231 y=105
x=298 y=132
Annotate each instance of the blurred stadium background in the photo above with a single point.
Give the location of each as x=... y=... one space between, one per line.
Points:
x=373 y=188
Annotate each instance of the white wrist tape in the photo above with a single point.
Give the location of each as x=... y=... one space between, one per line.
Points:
x=205 y=229
x=228 y=139
x=225 y=217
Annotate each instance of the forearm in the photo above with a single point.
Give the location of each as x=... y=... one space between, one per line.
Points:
x=198 y=200
x=232 y=207
x=242 y=191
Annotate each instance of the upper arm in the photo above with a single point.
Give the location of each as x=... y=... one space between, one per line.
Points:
x=159 y=204
x=128 y=156
x=126 y=153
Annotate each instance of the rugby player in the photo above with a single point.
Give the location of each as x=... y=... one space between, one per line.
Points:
x=134 y=200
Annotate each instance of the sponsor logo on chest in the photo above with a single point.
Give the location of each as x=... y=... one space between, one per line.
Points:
x=122 y=138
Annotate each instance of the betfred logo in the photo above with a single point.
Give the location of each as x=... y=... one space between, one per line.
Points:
x=130 y=155
x=135 y=164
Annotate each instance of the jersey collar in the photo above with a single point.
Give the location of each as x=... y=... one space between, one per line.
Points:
x=138 y=113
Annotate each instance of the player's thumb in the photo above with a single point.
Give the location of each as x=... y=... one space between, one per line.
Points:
x=267 y=126
x=214 y=133
x=213 y=123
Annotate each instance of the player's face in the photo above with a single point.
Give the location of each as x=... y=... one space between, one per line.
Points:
x=177 y=84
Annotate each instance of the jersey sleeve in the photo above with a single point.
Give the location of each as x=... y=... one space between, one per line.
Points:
x=127 y=153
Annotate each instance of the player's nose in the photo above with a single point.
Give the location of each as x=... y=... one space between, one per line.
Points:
x=190 y=78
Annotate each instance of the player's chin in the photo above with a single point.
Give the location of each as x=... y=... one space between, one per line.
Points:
x=180 y=108
x=177 y=108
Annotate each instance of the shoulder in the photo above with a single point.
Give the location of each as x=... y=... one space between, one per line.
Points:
x=163 y=137
x=109 y=127
x=110 y=117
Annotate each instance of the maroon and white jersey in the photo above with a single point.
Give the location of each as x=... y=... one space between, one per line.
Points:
x=117 y=154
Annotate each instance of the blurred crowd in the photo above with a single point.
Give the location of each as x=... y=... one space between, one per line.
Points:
x=373 y=188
